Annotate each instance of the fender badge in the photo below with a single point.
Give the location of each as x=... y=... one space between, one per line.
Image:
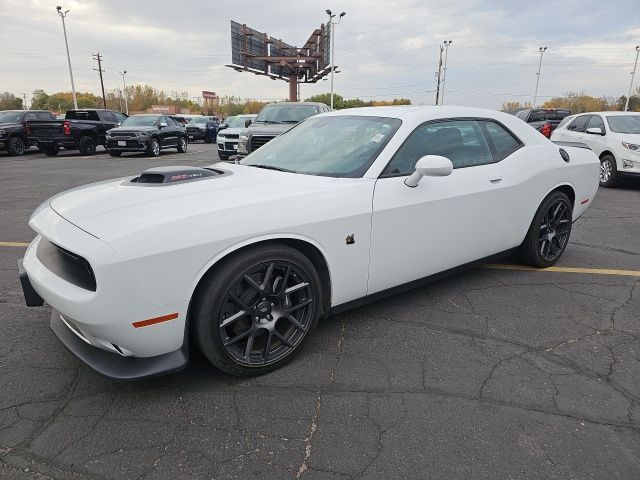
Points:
x=351 y=239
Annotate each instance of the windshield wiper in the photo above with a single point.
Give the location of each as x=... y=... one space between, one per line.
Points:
x=271 y=167
x=290 y=121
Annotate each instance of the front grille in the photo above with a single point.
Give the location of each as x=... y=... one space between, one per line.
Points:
x=259 y=140
x=67 y=265
x=230 y=146
x=123 y=134
x=234 y=136
x=194 y=130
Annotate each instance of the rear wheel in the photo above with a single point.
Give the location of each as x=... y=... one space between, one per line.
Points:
x=154 y=148
x=113 y=153
x=16 y=146
x=549 y=232
x=50 y=150
x=182 y=144
x=608 y=171
x=256 y=309
x=87 y=145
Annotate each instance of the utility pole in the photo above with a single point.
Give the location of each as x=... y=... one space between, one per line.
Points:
x=24 y=101
x=447 y=44
x=535 y=96
x=332 y=24
x=633 y=77
x=124 y=91
x=438 y=75
x=64 y=29
x=98 y=57
x=120 y=91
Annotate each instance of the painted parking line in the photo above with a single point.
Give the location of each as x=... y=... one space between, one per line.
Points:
x=13 y=244
x=589 y=271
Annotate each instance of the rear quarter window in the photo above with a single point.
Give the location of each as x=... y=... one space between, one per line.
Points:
x=82 y=115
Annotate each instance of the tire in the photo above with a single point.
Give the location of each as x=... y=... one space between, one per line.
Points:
x=51 y=150
x=608 y=171
x=16 y=146
x=237 y=329
x=87 y=145
x=153 y=150
x=223 y=156
x=549 y=232
x=113 y=153
x=183 y=143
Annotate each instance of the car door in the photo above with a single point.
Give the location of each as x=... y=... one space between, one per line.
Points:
x=169 y=133
x=444 y=222
x=108 y=122
x=575 y=130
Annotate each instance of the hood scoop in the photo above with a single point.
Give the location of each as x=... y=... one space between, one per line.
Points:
x=172 y=175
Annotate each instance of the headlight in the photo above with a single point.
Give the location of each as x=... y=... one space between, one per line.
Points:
x=142 y=134
x=631 y=146
x=2 y=133
x=242 y=144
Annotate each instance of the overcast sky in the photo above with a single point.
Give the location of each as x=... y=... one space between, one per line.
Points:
x=385 y=48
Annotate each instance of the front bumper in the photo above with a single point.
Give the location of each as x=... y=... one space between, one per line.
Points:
x=112 y=365
x=197 y=135
x=130 y=145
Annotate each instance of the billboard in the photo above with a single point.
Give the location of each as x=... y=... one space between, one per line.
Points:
x=209 y=95
x=246 y=44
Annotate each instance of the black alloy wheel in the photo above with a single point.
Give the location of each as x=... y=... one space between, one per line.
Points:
x=182 y=144
x=154 y=147
x=549 y=232
x=257 y=310
x=16 y=146
x=87 y=145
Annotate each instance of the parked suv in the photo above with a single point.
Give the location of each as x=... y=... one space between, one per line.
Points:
x=613 y=136
x=81 y=130
x=201 y=127
x=545 y=120
x=274 y=119
x=229 y=135
x=14 y=132
x=147 y=133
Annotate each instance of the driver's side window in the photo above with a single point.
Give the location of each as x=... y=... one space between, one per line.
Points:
x=461 y=141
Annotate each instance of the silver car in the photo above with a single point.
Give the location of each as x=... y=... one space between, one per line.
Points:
x=228 y=137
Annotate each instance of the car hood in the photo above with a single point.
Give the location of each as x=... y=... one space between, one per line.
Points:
x=133 y=129
x=9 y=125
x=628 y=137
x=269 y=128
x=231 y=130
x=199 y=125
x=112 y=208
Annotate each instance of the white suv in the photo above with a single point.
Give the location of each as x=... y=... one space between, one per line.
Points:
x=613 y=136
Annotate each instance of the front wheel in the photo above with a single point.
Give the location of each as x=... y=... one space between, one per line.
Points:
x=182 y=144
x=608 y=171
x=16 y=146
x=256 y=310
x=154 y=148
x=87 y=145
x=549 y=232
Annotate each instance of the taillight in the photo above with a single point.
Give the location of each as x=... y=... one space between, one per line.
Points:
x=66 y=126
x=546 y=130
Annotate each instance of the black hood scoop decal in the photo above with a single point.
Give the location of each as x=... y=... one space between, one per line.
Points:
x=172 y=175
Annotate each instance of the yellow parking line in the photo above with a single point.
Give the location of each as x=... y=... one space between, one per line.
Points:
x=13 y=244
x=591 y=271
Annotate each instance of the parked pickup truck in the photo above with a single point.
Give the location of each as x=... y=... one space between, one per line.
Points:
x=81 y=130
x=14 y=134
x=545 y=120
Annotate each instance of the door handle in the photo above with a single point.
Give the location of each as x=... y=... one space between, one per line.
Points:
x=495 y=178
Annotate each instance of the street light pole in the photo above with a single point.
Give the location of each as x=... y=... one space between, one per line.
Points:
x=124 y=92
x=332 y=24
x=633 y=77
x=535 y=96
x=64 y=29
x=447 y=44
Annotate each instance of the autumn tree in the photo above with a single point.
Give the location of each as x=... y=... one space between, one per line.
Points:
x=8 y=101
x=581 y=102
x=515 y=106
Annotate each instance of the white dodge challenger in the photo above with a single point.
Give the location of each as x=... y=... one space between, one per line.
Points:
x=242 y=260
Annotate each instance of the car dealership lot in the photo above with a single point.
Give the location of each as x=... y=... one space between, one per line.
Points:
x=489 y=373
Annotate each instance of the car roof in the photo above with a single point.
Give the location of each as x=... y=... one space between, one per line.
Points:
x=410 y=111
x=296 y=104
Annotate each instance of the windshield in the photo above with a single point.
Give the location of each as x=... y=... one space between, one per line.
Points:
x=141 y=121
x=238 y=122
x=542 y=115
x=624 y=123
x=198 y=120
x=286 y=113
x=10 y=117
x=334 y=146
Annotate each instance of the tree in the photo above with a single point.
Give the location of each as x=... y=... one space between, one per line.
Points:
x=339 y=102
x=8 y=101
x=513 y=107
x=325 y=98
x=581 y=102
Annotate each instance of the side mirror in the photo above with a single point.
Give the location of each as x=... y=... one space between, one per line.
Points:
x=162 y=124
x=119 y=123
x=222 y=126
x=595 y=131
x=247 y=122
x=429 y=166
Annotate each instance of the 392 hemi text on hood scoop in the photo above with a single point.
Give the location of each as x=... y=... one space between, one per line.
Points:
x=172 y=175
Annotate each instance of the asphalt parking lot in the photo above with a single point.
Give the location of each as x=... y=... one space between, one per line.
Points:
x=492 y=373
